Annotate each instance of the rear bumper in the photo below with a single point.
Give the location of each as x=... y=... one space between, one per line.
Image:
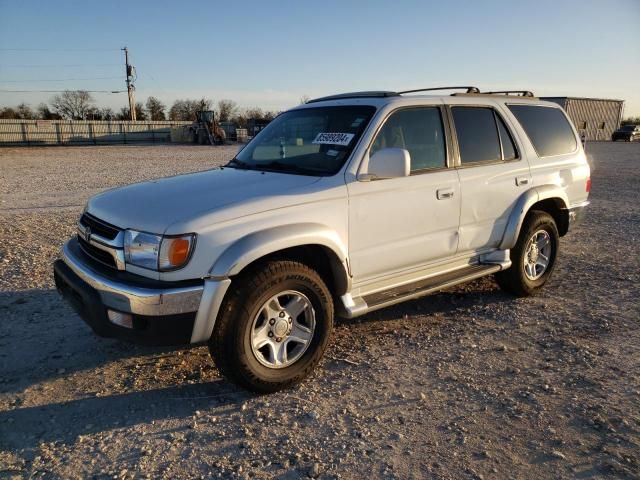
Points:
x=160 y=315
x=576 y=213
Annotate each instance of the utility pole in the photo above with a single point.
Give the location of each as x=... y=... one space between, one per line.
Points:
x=130 y=73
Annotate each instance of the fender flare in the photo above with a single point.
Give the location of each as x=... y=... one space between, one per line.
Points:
x=261 y=243
x=522 y=207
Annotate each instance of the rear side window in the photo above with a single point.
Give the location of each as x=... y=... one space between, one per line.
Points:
x=477 y=134
x=418 y=130
x=547 y=128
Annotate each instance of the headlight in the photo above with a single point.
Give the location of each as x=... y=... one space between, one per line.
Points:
x=156 y=252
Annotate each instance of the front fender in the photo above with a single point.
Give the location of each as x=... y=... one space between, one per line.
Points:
x=522 y=207
x=258 y=244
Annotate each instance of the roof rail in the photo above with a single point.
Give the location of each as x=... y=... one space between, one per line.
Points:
x=372 y=94
x=467 y=88
x=522 y=93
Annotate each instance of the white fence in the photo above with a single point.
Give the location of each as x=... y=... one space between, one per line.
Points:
x=80 y=132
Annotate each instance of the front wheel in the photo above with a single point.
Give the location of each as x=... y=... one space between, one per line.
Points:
x=274 y=326
x=533 y=257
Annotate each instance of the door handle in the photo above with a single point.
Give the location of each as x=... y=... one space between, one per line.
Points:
x=522 y=181
x=444 y=193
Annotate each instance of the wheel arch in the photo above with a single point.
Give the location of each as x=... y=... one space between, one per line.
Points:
x=313 y=244
x=548 y=198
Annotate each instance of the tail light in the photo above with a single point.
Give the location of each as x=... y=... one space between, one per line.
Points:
x=589 y=185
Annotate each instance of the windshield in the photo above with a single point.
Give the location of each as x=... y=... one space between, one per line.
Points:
x=628 y=128
x=309 y=141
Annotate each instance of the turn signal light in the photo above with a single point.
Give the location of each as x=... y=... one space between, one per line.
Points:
x=589 y=185
x=178 y=251
x=175 y=251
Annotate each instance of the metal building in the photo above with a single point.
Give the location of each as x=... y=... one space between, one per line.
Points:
x=597 y=118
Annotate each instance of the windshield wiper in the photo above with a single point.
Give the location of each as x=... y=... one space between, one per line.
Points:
x=278 y=166
x=235 y=163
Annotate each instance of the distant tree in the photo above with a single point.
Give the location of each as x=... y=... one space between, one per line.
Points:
x=304 y=99
x=140 y=112
x=44 y=113
x=24 y=112
x=204 y=104
x=72 y=104
x=8 y=113
x=123 y=114
x=226 y=110
x=106 y=113
x=155 y=109
x=631 y=121
x=186 y=109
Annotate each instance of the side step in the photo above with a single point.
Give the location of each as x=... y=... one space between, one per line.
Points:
x=420 y=288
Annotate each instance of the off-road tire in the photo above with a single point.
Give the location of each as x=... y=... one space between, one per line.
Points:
x=514 y=280
x=230 y=345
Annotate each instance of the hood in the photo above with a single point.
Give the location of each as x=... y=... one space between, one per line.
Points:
x=154 y=205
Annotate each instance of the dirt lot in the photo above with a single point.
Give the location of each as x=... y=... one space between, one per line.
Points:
x=469 y=383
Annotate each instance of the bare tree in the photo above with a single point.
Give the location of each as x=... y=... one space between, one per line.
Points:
x=226 y=110
x=44 y=113
x=24 y=112
x=140 y=112
x=155 y=109
x=8 y=113
x=72 y=104
x=186 y=109
x=304 y=99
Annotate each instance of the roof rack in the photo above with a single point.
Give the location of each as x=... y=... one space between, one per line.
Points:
x=372 y=94
x=522 y=93
x=467 y=88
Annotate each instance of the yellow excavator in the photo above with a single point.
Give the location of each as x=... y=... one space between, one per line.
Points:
x=206 y=130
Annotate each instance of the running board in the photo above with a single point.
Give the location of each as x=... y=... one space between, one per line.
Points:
x=420 y=288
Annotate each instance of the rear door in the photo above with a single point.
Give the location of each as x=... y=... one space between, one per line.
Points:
x=492 y=172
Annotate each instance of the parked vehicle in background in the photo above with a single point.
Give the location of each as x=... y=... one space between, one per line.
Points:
x=340 y=206
x=628 y=133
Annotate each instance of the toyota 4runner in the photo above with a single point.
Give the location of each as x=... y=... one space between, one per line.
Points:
x=340 y=206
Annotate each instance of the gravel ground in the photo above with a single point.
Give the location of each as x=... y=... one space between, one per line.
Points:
x=468 y=383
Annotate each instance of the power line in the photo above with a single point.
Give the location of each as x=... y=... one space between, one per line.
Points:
x=56 y=65
x=62 y=91
x=58 y=49
x=60 y=79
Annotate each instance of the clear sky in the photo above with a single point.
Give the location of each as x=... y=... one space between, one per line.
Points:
x=271 y=53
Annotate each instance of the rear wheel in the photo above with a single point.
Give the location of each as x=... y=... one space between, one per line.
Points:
x=533 y=257
x=274 y=326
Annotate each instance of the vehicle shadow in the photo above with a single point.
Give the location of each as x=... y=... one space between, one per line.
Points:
x=42 y=339
x=27 y=427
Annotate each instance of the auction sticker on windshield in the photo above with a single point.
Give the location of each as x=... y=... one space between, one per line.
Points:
x=333 y=138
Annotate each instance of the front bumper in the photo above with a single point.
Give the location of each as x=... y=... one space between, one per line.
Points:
x=162 y=313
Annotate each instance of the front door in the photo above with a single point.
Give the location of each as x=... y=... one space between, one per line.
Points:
x=398 y=224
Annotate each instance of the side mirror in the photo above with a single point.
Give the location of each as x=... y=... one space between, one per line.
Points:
x=388 y=163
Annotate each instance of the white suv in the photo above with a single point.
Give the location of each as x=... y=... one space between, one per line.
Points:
x=343 y=205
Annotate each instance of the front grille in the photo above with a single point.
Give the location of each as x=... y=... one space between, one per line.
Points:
x=96 y=254
x=99 y=227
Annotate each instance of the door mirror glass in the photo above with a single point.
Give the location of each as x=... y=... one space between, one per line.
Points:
x=388 y=163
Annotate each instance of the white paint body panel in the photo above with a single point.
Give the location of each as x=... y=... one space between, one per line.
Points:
x=389 y=232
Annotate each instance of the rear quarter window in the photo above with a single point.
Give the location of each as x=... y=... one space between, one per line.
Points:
x=547 y=128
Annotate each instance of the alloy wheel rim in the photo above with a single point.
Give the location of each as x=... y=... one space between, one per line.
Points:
x=282 y=330
x=537 y=255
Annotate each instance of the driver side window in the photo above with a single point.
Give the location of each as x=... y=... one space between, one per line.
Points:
x=418 y=130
